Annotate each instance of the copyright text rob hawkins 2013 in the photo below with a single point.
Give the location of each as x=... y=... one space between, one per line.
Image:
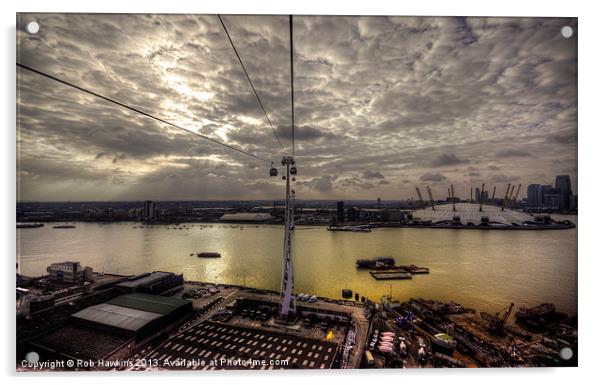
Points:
x=175 y=363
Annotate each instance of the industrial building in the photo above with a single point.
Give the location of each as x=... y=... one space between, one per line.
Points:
x=114 y=328
x=157 y=282
x=134 y=314
x=71 y=272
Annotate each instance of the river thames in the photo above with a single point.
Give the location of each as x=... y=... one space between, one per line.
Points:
x=483 y=269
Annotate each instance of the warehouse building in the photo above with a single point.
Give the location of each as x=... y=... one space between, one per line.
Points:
x=136 y=315
x=115 y=328
x=157 y=282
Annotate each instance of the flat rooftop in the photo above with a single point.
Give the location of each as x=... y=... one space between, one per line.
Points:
x=149 y=303
x=82 y=342
x=116 y=316
x=143 y=279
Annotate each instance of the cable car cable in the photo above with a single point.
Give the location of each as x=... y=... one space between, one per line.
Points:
x=249 y=79
x=292 y=90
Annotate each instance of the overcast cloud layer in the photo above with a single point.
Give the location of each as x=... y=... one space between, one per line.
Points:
x=383 y=104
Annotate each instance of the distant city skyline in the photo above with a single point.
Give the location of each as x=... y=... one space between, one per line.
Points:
x=383 y=105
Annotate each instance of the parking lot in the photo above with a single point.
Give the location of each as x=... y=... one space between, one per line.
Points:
x=212 y=345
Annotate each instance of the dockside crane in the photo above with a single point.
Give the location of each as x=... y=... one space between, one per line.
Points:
x=497 y=323
x=453 y=198
x=505 y=197
x=428 y=189
x=481 y=197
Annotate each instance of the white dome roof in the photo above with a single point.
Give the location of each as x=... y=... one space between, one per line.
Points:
x=469 y=212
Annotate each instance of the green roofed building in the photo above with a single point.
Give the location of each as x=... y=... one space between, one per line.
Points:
x=150 y=303
x=134 y=314
x=114 y=329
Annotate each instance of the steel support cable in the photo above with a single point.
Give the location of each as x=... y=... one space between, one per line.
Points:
x=292 y=90
x=244 y=69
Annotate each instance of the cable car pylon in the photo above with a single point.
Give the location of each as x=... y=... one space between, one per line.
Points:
x=288 y=307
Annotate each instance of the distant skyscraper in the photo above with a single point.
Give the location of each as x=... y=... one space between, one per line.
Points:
x=477 y=194
x=150 y=210
x=550 y=197
x=534 y=197
x=353 y=214
x=485 y=196
x=563 y=185
x=341 y=211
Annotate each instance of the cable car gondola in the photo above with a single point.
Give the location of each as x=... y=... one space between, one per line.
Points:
x=294 y=170
x=273 y=171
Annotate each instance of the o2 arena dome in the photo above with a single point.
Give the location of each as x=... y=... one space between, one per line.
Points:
x=468 y=214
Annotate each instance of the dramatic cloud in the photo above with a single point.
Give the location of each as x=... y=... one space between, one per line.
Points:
x=369 y=174
x=432 y=177
x=447 y=160
x=382 y=105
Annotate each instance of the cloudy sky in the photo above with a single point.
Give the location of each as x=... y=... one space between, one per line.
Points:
x=383 y=104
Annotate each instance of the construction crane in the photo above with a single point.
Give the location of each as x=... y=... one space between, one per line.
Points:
x=420 y=196
x=481 y=197
x=493 y=196
x=505 y=197
x=516 y=196
x=453 y=198
x=497 y=323
x=431 y=197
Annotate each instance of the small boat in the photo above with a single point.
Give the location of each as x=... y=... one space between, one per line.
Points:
x=63 y=227
x=375 y=262
x=355 y=229
x=208 y=255
x=543 y=310
x=29 y=225
x=445 y=341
